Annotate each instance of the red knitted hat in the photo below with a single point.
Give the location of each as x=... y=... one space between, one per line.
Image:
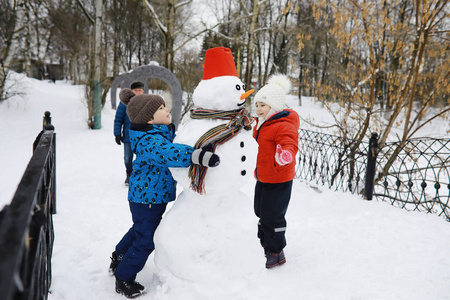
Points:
x=219 y=62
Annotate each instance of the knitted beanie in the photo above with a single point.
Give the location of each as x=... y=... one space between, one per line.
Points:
x=274 y=92
x=140 y=108
x=137 y=85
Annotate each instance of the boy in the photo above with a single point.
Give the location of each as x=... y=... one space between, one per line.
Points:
x=276 y=132
x=151 y=184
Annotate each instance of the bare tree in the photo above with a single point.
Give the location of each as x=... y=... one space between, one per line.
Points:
x=189 y=73
x=167 y=23
x=11 y=46
x=379 y=42
x=73 y=38
x=250 y=47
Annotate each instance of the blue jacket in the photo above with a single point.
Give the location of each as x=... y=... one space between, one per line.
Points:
x=122 y=123
x=151 y=180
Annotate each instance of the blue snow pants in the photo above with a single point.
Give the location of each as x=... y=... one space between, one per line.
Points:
x=270 y=203
x=137 y=244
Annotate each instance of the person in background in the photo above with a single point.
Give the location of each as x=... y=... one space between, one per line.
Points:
x=276 y=132
x=121 y=130
x=151 y=183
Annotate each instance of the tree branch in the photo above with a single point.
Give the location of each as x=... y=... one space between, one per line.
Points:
x=158 y=22
x=182 y=4
x=86 y=13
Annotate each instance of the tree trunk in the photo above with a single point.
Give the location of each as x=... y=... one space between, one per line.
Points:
x=250 y=48
x=116 y=44
x=27 y=51
x=169 y=34
x=12 y=45
x=97 y=87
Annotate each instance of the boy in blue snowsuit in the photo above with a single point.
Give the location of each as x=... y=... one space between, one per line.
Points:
x=151 y=184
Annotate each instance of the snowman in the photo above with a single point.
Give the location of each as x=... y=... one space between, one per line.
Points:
x=211 y=223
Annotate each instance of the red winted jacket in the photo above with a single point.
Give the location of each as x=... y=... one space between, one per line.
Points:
x=281 y=128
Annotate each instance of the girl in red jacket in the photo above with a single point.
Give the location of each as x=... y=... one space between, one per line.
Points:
x=276 y=132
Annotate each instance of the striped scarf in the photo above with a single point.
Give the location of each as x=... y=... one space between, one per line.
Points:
x=218 y=135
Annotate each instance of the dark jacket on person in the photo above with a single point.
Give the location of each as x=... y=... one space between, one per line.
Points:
x=122 y=123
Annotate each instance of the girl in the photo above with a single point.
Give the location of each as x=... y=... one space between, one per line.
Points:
x=276 y=132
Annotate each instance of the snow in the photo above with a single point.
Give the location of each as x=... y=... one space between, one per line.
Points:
x=339 y=245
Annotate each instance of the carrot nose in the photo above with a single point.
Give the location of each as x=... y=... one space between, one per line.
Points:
x=246 y=94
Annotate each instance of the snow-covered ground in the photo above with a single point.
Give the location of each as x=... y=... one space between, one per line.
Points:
x=339 y=246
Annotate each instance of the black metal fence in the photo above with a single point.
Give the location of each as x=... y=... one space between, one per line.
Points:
x=332 y=161
x=418 y=178
x=26 y=225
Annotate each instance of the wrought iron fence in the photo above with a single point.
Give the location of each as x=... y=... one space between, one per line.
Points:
x=414 y=175
x=26 y=225
x=333 y=161
x=419 y=178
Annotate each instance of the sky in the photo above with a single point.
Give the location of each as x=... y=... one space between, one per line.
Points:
x=339 y=246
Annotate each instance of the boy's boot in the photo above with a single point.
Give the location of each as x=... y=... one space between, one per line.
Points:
x=274 y=259
x=127 y=179
x=129 y=289
x=114 y=263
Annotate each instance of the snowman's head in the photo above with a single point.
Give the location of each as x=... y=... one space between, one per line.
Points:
x=220 y=93
x=221 y=88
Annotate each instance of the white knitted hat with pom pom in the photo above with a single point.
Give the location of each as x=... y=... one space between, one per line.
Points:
x=274 y=92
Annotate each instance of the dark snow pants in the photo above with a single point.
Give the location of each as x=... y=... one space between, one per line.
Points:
x=137 y=244
x=270 y=204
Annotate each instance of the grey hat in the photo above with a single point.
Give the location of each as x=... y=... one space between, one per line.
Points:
x=140 y=108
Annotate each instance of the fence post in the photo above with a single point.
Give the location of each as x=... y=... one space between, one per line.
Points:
x=371 y=166
x=47 y=125
x=47 y=122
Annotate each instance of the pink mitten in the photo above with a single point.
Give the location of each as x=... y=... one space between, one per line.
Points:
x=282 y=157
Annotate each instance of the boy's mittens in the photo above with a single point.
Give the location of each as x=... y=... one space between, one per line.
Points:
x=282 y=157
x=118 y=139
x=205 y=157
